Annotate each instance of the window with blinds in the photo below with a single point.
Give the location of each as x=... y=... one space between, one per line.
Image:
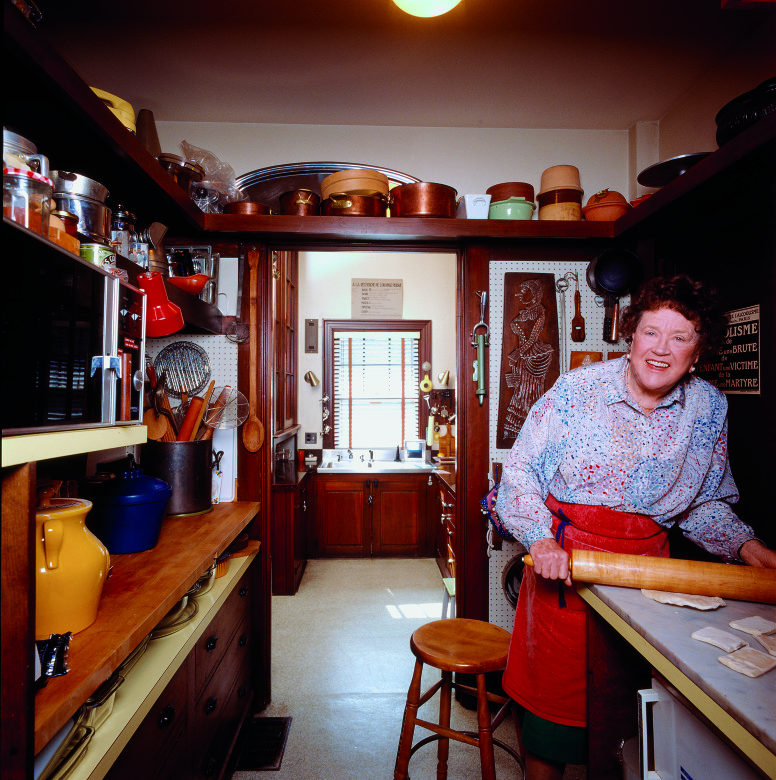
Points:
x=375 y=388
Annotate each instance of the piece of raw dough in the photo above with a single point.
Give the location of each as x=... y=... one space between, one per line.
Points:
x=748 y=661
x=721 y=639
x=684 y=599
x=754 y=625
x=768 y=641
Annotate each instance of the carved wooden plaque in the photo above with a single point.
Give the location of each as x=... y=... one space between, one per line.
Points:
x=530 y=351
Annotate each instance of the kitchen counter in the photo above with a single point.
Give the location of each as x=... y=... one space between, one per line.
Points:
x=446 y=474
x=741 y=707
x=288 y=478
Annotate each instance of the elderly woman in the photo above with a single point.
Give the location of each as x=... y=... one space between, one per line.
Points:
x=611 y=457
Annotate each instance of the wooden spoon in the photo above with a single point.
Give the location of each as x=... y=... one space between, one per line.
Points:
x=253 y=430
x=577 y=322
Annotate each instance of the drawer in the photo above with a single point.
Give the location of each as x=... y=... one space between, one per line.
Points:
x=210 y=707
x=450 y=530
x=213 y=643
x=228 y=724
x=451 y=560
x=158 y=734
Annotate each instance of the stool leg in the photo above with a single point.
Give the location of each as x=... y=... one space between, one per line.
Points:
x=487 y=759
x=408 y=725
x=445 y=705
x=445 y=604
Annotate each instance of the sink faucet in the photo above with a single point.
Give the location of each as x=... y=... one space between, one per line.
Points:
x=339 y=456
x=350 y=454
x=371 y=455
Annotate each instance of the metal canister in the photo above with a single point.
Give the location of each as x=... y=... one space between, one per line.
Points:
x=99 y=254
x=123 y=230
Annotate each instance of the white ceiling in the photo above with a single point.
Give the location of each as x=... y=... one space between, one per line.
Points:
x=582 y=64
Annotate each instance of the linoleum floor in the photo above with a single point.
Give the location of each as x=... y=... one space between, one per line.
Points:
x=341 y=666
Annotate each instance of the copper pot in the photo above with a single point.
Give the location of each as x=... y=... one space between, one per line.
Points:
x=353 y=206
x=247 y=207
x=300 y=203
x=423 y=199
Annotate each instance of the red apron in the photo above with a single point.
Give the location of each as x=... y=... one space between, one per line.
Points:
x=547 y=665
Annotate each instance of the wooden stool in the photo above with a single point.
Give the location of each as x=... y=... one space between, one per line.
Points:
x=448 y=599
x=466 y=647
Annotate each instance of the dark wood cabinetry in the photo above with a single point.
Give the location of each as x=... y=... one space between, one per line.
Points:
x=292 y=508
x=359 y=516
x=445 y=528
x=189 y=730
x=285 y=271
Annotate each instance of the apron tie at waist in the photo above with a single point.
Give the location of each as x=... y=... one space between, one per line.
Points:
x=560 y=538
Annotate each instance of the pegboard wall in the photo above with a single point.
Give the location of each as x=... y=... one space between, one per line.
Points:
x=500 y=611
x=222 y=354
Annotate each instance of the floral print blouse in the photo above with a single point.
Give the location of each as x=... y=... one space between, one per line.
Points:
x=586 y=441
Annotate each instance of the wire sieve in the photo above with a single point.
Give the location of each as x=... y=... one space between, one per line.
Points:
x=187 y=366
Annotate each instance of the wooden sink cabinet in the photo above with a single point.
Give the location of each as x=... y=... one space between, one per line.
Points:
x=359 y=515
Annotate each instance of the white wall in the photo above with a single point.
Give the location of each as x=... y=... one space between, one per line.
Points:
x=471 y=160
x=324 y=293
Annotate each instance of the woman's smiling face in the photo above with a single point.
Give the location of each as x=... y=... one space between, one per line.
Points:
x=665 y=347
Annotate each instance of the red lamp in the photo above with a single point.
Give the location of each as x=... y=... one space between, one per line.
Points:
x=162 y=316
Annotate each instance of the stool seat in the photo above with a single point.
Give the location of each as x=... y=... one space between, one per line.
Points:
x=461 y=645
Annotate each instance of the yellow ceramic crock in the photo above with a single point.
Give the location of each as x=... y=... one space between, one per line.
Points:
x=71 y=566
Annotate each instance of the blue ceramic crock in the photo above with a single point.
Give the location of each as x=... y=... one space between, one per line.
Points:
x=128 y=511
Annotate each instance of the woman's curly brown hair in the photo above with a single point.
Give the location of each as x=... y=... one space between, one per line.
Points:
x=696 y=301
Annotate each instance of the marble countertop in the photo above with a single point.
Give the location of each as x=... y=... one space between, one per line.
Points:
x=750 y=701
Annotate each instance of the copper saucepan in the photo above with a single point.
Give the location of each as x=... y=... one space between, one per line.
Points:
x=423 y=199
x=342 y=205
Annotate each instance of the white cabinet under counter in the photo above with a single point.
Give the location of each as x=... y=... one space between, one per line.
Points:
x=738 y=708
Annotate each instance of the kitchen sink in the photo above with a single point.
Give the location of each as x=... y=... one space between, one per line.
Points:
x=381 y=466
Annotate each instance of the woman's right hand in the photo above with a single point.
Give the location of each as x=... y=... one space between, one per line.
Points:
x=550 y=560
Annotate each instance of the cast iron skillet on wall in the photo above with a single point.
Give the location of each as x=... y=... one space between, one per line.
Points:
x=614 y=273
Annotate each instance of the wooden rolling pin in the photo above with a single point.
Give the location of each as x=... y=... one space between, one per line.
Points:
x=674 y=575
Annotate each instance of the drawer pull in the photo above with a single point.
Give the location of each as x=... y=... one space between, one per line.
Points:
x=243 y=640
x=211 y=643
x=210 y=705
x=243 y=591
x=166 y=717
x=242 y=691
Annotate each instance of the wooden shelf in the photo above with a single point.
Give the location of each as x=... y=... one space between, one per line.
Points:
x=69 y=124
x=383 y=229
x=140 y=590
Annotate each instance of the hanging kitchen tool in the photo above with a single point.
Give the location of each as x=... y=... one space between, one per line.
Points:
x=561 y=285
x=479 y=342
x=577 y=321
x=614 y=273
x=253 y=430
x=425 y=383
x=187 y=366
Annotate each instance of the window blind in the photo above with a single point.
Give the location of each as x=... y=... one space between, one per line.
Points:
x=376 y=398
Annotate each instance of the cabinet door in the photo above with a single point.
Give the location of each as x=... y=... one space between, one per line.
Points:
x=342 y=515
x=398 y=516
x=159 y=735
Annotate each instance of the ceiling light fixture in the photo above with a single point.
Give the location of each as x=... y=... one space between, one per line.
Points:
x=426 y=7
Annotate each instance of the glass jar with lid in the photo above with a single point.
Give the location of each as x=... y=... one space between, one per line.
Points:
x=27 y=199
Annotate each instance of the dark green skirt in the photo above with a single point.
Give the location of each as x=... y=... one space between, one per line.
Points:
x=553 y=741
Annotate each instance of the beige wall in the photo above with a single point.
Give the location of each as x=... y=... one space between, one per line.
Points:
x=324 y=293
x=471 y=160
